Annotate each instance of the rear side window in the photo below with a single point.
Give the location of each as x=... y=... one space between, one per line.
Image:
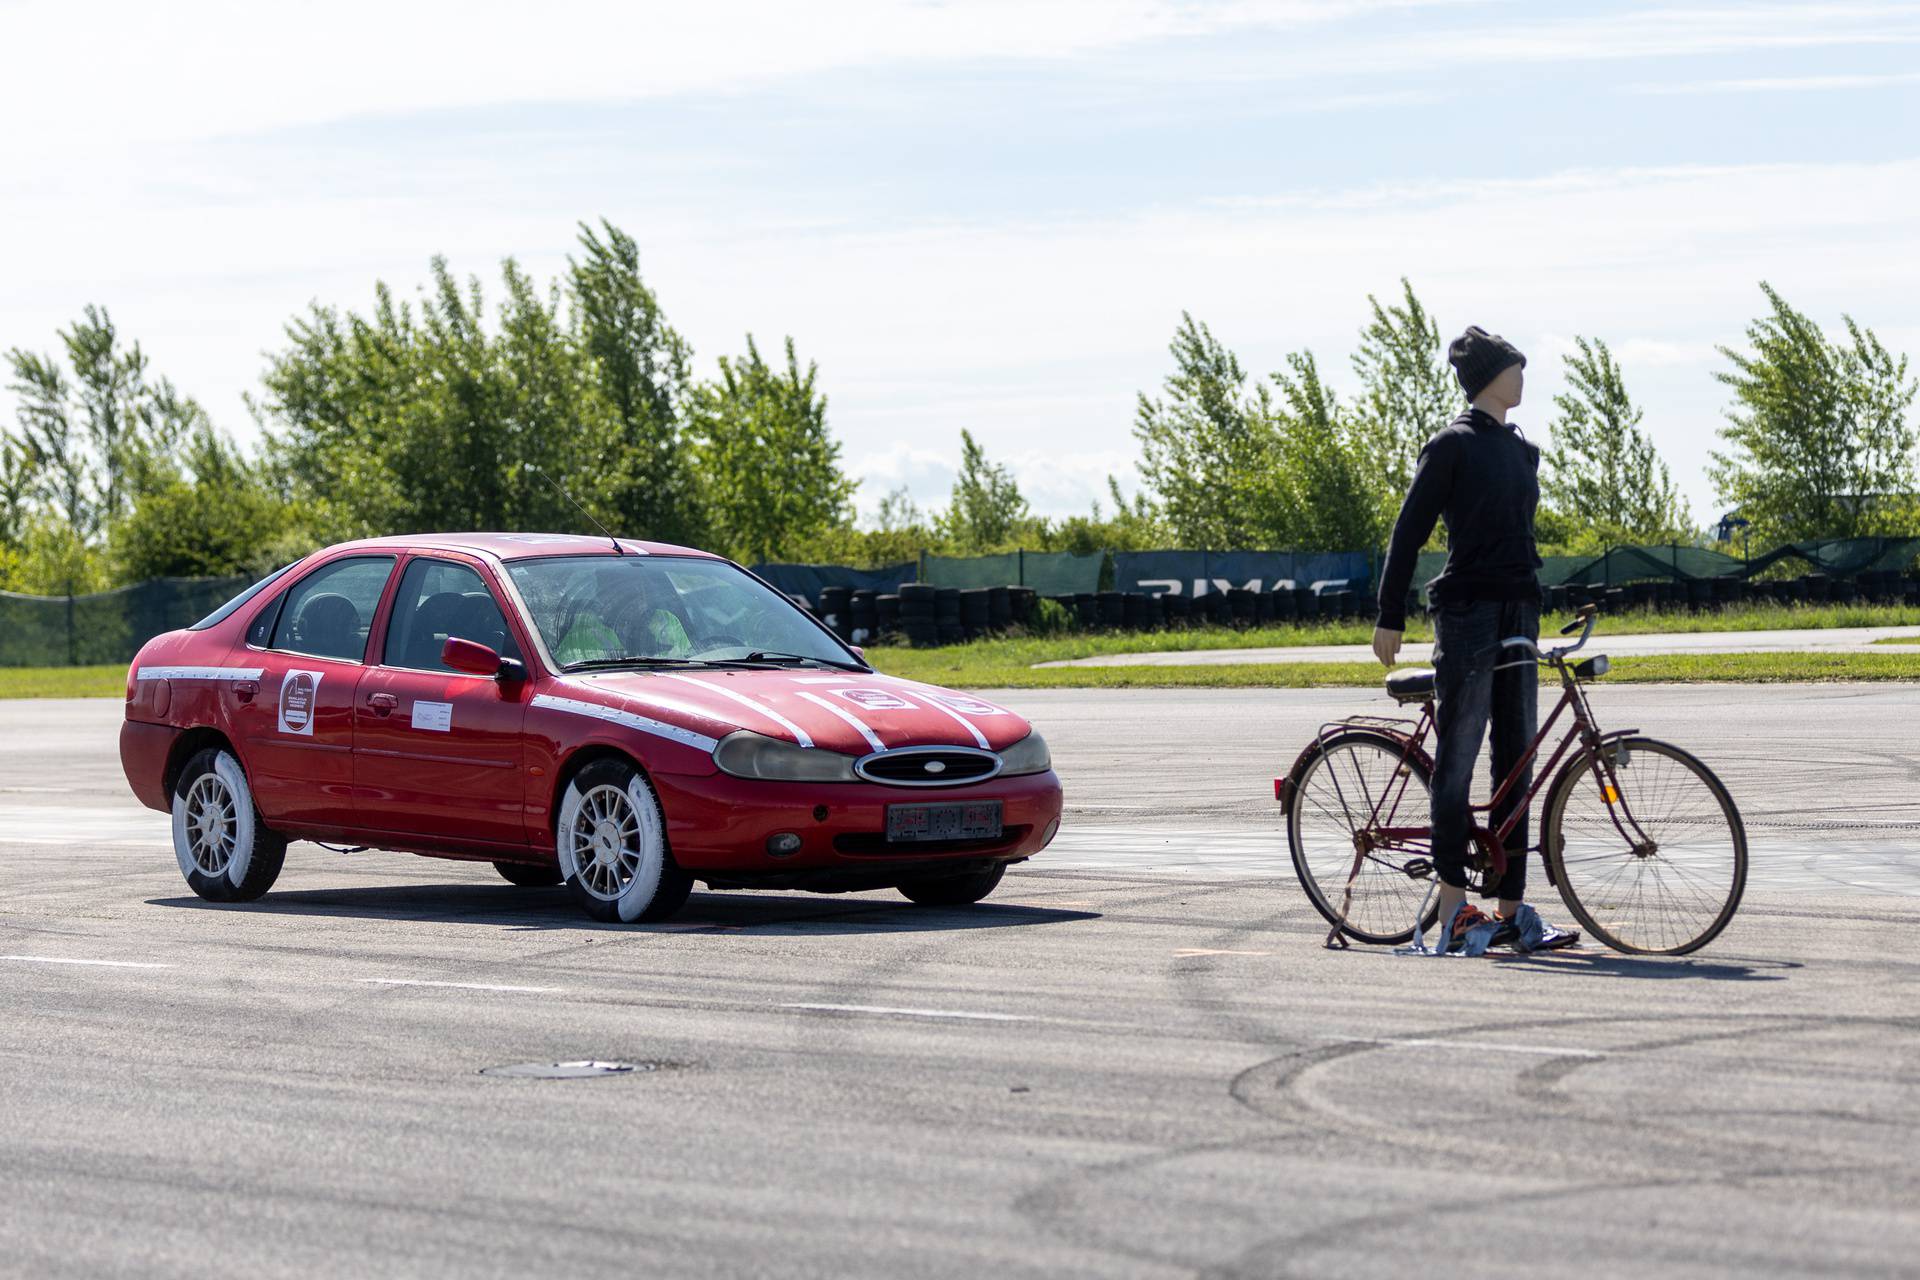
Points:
x=328 y=613
x=441 y=600
x=225 y=611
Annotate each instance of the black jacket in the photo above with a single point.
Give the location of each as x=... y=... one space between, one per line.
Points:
x=1483 y=478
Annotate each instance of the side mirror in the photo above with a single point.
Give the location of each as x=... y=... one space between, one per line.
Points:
x=858 y=652
x=471 y=657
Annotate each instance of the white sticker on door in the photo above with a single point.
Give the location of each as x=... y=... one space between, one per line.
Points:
x=436 y=716
x=299 y=694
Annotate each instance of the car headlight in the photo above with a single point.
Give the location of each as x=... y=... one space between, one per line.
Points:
x=753 y=755
x=1029 y=755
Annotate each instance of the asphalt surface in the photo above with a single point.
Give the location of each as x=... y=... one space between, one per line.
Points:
x=1807 y=640
x=1134 y=1060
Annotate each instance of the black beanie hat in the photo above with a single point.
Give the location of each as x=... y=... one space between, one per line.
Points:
x=1478 y=357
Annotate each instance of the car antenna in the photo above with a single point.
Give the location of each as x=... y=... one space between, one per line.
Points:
x=555 y=484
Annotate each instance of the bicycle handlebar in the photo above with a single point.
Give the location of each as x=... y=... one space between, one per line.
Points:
x=1584 y=619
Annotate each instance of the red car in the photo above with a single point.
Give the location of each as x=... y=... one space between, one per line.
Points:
x=626 y=717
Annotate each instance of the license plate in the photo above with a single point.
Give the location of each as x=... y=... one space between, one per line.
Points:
x=915 y=823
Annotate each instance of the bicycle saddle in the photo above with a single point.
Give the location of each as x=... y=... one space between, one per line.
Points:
x=1411 y=686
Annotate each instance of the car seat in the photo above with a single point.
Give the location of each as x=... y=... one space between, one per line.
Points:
x=329 y=626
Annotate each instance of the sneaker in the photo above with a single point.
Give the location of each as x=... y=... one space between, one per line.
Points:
x=1462 y=940
x=1527 y=931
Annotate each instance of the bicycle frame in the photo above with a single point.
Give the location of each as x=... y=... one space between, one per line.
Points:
x=1583 y=731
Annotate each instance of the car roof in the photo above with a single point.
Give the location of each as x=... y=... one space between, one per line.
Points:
x=522 y=546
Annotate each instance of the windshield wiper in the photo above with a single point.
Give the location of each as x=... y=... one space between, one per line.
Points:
x=609 y=664
x=784 y=659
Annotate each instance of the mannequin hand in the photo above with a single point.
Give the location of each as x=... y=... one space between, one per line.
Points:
x=1386 y=645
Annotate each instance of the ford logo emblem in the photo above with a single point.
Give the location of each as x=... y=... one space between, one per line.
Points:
x=936 y=766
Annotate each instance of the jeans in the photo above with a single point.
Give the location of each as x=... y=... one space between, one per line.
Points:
x=1468 y=692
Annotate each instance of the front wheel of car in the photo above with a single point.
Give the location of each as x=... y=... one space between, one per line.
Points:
x=222 y=844
x=954 y=891
x=612 y=840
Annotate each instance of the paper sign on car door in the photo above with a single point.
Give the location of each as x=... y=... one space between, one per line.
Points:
x=299 y=691
x=435 y=716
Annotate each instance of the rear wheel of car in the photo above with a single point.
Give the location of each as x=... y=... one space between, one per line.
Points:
x=612 y=840
x=953 y=891
x=528 y=875
x=221 y=842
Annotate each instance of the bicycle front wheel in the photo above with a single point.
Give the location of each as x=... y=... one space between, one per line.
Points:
x=1354 y=785
x=1646 y=846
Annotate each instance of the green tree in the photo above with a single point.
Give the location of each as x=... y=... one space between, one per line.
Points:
x=1204 y=443
x=425 y=419
x=104 y=436
x=986 y=507
x=1321 y=483
x=1819 y=443
x=1407 y=391
x=640 y=366
x=770 y=466
x=1604 y=478
x=18 y=482
x=219 y=519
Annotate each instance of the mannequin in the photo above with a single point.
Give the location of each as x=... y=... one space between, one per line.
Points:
x=1481 y=476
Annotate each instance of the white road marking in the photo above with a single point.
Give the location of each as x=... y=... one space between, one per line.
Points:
x=911 y=1013
x=458 y=986
x=104 y=964
x=1473 y=1046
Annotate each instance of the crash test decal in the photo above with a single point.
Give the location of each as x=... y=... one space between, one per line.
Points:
x=435 y=717
x=299 y=692
x=875 y=699
x=971 y=706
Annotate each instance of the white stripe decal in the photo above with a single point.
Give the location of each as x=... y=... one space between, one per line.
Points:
x=800 y=735
x=197 y=673
x=613 y=715
x=973 y=729
x=850 y=718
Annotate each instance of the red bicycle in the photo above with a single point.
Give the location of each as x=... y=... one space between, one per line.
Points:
x=1642 y=840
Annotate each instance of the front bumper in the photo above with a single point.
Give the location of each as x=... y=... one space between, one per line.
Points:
x=718 y=827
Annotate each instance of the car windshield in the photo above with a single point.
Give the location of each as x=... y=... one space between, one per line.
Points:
x=611 y=611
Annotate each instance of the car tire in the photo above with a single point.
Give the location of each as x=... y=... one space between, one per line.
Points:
x=529 y=876
x=953 y=891
x=611 y=837
x=221 y=842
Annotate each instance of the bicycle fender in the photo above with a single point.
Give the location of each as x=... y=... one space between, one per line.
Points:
x=1284 y=788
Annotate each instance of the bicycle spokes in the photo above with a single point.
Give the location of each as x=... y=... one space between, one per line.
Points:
x=1649 y=851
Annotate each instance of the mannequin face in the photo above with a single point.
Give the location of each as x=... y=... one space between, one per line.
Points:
x=1506 y=386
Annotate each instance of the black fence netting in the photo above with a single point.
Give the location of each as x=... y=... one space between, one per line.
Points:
x=1843 y=557
x=1049 y=573
x=107 y=627
x=804 y=581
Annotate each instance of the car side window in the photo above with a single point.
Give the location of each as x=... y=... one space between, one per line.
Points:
x=441 y=600
x=328 y=613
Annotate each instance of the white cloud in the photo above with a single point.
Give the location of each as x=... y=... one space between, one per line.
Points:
x=1776 y=84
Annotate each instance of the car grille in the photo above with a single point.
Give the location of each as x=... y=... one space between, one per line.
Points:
x=928 y=766
x=874 y=844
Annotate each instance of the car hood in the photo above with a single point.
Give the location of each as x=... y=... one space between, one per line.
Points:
x=851 y=713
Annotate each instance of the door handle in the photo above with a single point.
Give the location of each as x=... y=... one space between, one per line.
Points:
x=382 y=703
x=245 y=690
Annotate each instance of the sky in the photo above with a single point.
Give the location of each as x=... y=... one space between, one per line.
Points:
x=984 y=215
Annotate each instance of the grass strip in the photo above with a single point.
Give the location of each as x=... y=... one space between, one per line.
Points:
x=63 y=682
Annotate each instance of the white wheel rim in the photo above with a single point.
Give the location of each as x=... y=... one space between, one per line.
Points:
x=605 y=838
x=212 y=824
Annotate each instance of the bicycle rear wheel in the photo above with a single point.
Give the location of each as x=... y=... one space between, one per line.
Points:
x=1356 y=783
x=1646 y=846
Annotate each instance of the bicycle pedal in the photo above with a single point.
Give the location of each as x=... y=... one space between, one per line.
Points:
x=1417 y=868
